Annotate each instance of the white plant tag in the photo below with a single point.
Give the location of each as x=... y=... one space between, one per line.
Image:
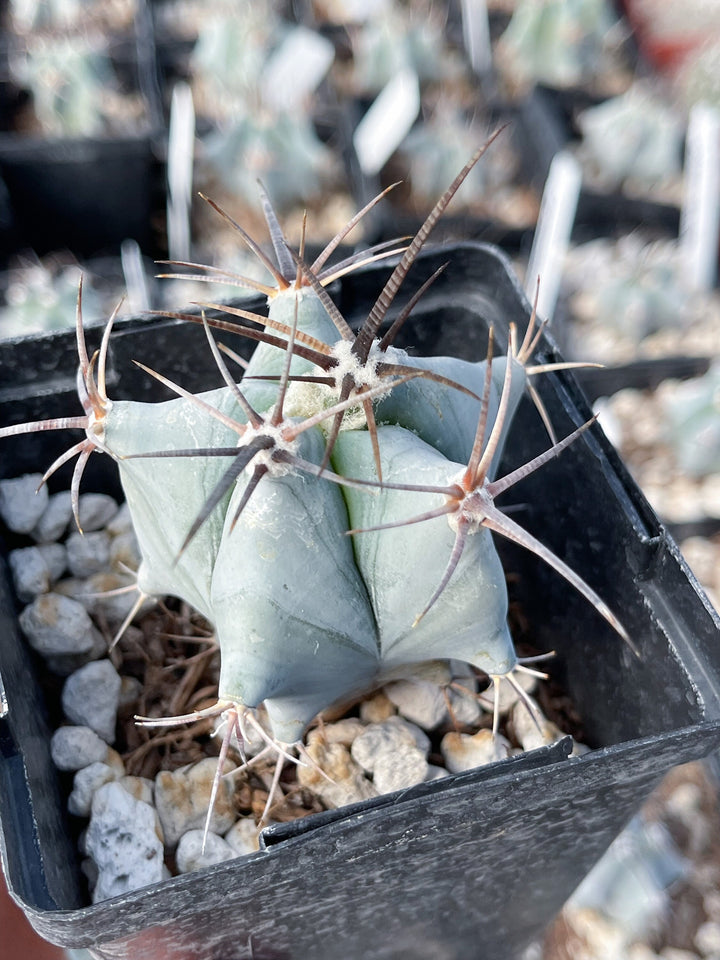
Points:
x=700 y=214
x=476 y=35
x=296 y=68
x=387 y=122
x=181 y=149
x=136 y=283
x=552 y=234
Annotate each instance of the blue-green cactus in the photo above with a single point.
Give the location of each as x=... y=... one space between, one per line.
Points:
x=314 y=512
x=561 y=42
x=694 y=424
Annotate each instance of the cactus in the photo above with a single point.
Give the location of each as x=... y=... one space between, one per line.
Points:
x=630 y=287
x=74 y=89
x=287 y=508
x=255 y=133
x=40 y=296
x=633 y=139
x=395 y=38
x=560 y=42
x=694 y=424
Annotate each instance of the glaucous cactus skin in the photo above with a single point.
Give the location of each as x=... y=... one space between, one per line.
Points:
x=402 y=567
x=304 y=615
x=331 y=514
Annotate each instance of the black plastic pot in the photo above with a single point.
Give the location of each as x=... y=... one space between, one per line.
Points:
x=82 y=195
x=86 y=194
x=473 y=865
x=543 y=128
x=645 y=374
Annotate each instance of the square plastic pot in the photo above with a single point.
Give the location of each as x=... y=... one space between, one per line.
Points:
x=84 y=195
x=476 y=864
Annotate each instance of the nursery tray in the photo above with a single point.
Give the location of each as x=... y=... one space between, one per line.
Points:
x=84 y=195
x=478 y=863
x=645 y=374
x=544 y=128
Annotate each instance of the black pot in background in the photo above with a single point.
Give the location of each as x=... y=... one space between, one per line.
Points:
x=544 y=128
x=85 y=195
x=475 y=863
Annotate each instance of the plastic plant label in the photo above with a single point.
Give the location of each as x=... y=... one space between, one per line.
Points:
x=387 y=122
x=700 y=215
x=476 y=35
x=296 y=68
x=181 y=142
x=138 y=295
x=552 y=235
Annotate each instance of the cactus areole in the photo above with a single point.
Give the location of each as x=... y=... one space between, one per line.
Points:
x=330 y=514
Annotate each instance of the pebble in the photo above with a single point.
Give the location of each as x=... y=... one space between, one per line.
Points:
x=463 y=706
x=95 y=510
x=463 y=751
x=20 y=506
x=114 y=760
x=347 y=784
x=393 y=738
x=400 y=770
x=55 y=556
x=533 y=730
x=130 y=690
x=464 y=673
x=89 y=553
x=35 y=569
x=86 y=784
x=90 y=697
x=56 y=625
x=86 y=592
x=139 y=787
x=114 y=608
x=343 y=731
x=593 y=935
x=191 y=856
x=121 y=521
x=243 y=836
x=436 y=672
x=182 y=799
x=641 y=951
x=377 y=708
x=419 y=701
x=711 y=903
x=123 y=840
x=124 y=553
x=73 y=748
x=707 y=938
x=55 y=519
x=435 y=773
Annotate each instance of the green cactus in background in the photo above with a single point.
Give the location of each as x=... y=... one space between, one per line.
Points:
x=694 y=424
x=634 y=138
x=560 y=42
x=41 y=295
x=628 y=286
x=331 y=514
x=74 y=89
